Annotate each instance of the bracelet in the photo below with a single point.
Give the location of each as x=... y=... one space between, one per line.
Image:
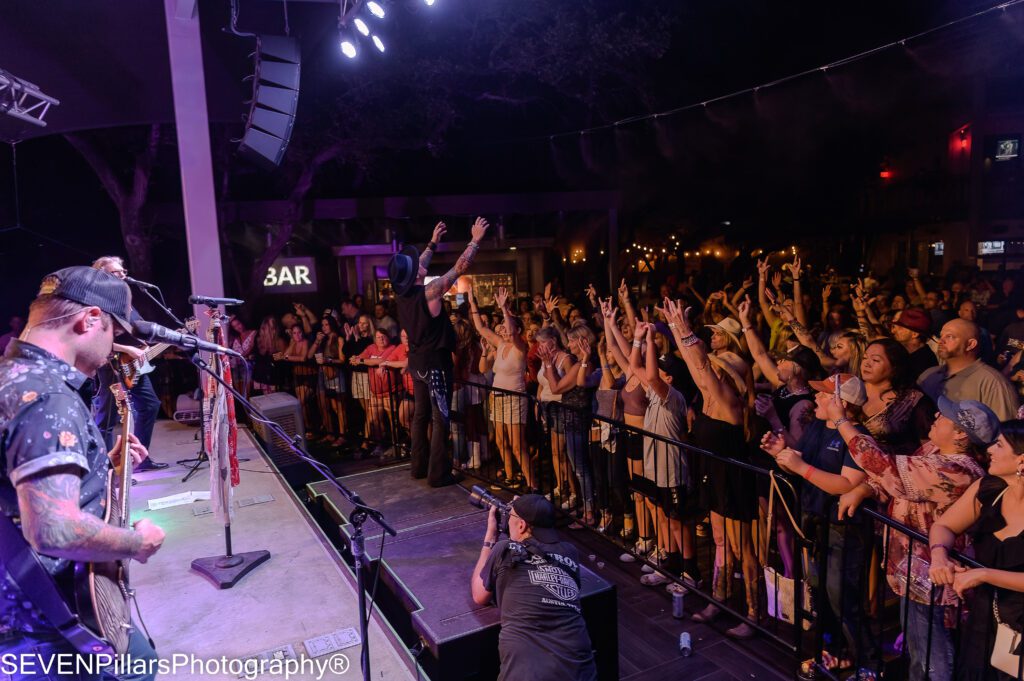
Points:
x=747 y=328
x=687 y=341
x=840 y=422
x=637 y=344
x=671 y=325
x=584 y=365
x=432 y=246
x=489 y=544
x=808 y=472
x=938 y=546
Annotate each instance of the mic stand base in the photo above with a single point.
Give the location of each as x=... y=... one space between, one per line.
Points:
x=225 y=571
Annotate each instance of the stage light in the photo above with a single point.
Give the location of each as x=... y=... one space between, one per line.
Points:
x=429 y=3
x=348 y=49
x=361 y=26
x=378 y=44
x=375 y=9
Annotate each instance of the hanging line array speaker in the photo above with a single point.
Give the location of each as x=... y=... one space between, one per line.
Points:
x=275 y=96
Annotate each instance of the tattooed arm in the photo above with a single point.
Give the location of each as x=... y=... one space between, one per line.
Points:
x=438 y=287
x=54 y=524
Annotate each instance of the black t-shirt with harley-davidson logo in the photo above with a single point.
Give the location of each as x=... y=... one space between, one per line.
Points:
x=543 y=635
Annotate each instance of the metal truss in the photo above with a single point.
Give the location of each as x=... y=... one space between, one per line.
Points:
x=24 y=100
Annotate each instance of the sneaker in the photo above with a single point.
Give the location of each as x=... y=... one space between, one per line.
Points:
x=627 y=557
x=655 y=579
x=655 y=558
x=741 y=631
x=709 y=613
x=569 y=503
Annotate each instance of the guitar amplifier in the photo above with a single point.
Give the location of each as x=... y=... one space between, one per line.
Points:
x=286 y=411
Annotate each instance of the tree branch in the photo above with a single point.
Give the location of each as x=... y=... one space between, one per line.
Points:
x=99 y=166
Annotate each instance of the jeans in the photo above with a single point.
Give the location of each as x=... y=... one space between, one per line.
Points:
x=30 y=655
x=437 y=468
x=145 y=406
x=940 y=667
x=577 y=444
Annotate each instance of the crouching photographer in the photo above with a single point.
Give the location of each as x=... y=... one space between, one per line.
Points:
x=535 y=581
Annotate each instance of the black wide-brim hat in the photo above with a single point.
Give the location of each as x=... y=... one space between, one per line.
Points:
x=403 y=268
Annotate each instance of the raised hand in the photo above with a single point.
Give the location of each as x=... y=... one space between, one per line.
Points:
x=835 y=409
x=743 y=311
x=777 y=281
x=640 y=332
x=795 y=267
x=479 y=229
x=623 y=290
x=763 y=268
x=747 y=283
x=439 y=232
x=501 y=297
x=591 y=293
x=607 y=311
x=826 y=292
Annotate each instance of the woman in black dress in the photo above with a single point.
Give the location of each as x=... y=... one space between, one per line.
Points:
x=727 y=492
x=992 y=511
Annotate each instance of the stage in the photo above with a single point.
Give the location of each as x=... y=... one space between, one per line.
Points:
x=302 y=592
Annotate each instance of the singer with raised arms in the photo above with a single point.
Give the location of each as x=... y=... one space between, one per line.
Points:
x=144 y=401
x=431 y=347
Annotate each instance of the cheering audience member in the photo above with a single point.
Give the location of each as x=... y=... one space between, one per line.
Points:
x=634 y=408
x=921 y=487
x=549 y=346
x=788 y=410
x=577 y=404
x=398 y=360
x=991 y=511
x=609 y=457
x=667 y=466
x=355 y=340
x=823 y=460
x=466 y=415
x=510 y=410
x=897 y=414
x=332 y=380
x=243 y=341
x=911 y=328
x=297 y=354
x=964 y=376
x=727 y=493
x=270 y=343
x=845 y=352
x=380 y=384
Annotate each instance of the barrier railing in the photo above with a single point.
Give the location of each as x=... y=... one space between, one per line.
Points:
x=821 y=589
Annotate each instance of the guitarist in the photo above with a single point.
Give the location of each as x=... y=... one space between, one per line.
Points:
x=53 y=461
x=145 y=403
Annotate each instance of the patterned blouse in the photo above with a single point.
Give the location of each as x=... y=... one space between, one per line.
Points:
x=920 y=487
x=903 y=424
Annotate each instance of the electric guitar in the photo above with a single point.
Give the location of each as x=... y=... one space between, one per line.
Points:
x=102 y=595
x=131 y=369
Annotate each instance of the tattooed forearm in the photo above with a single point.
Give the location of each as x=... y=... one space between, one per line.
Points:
x=54 y=524
x=440 y=286
x=425 y=257
x=798 y=327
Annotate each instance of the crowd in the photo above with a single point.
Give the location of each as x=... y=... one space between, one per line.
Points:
x=903 y=394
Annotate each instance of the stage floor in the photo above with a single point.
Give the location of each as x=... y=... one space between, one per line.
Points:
x=300 y=593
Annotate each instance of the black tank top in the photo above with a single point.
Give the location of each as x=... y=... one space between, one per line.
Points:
x=431 y=339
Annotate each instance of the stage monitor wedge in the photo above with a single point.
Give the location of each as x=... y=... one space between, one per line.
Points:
x=275 y=98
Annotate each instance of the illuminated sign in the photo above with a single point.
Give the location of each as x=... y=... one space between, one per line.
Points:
x=991 y=247
x=291 y=275
x=939 y=247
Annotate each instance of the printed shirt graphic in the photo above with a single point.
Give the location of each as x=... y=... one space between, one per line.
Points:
x=44 y=425
x=543 y=635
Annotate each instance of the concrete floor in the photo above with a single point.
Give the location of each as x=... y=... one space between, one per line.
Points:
x=301 y=592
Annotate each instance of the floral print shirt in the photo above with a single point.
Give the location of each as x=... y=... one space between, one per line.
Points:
x=44 y=425
x=920 y=487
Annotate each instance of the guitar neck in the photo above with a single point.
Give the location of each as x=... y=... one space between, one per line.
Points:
x=154 y=351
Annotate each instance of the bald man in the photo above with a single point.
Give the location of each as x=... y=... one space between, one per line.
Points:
x=963 y=376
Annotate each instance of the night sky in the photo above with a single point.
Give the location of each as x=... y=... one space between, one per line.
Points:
x=469 y=92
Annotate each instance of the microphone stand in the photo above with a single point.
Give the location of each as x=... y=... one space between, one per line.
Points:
x=360 y=514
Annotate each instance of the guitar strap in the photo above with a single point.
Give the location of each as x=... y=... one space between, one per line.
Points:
x=34 y=581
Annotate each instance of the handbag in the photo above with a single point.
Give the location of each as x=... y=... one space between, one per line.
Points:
x=1004 y=658
x=781 y=589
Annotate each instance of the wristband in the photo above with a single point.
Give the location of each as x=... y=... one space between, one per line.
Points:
x=488 y=544
x=808 y=472
x=840 y=422
x=938 y=546
x=432 y=246
x=687 y=341
x=637 y=344
x=584 y=365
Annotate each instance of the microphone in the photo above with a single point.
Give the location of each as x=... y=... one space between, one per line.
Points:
x=214 y=302
x=154 y=333
x=143 y=284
